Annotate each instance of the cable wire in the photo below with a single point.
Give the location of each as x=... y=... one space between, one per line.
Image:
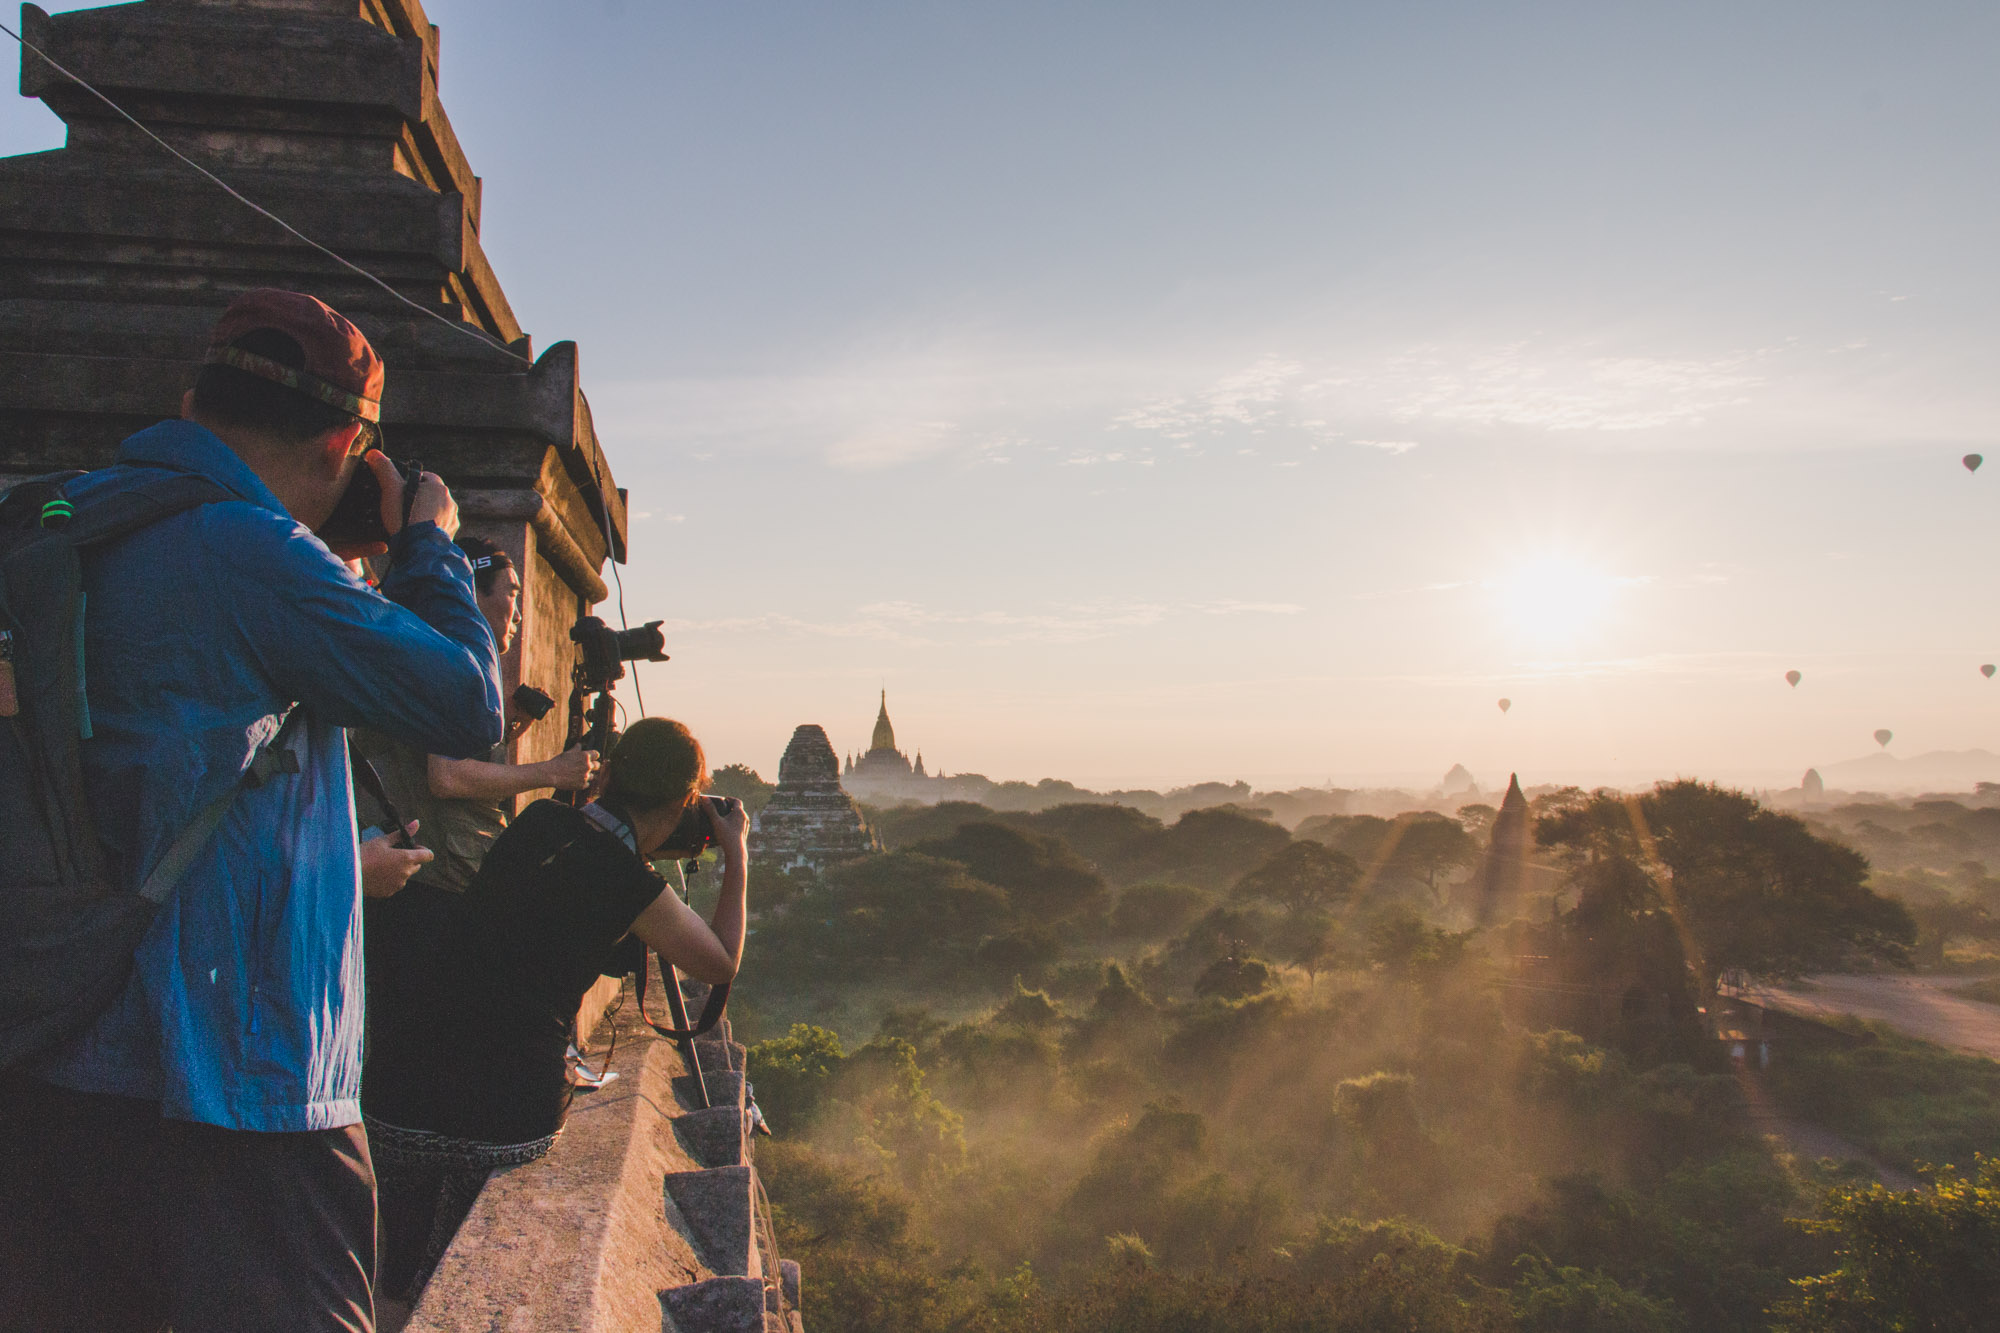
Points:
x=470 y=331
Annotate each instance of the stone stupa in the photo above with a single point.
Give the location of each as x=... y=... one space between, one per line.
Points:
x=810 y=822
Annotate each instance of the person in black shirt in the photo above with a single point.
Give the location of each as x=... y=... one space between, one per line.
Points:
x=465 y=1070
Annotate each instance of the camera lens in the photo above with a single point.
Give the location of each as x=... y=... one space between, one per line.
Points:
x=645 y=644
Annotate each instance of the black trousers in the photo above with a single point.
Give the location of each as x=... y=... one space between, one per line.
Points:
x=113 y=1218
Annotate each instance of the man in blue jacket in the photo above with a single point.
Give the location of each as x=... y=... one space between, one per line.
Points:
x=196 y=1158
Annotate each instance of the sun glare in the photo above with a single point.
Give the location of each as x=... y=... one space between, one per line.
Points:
x=1554 y=600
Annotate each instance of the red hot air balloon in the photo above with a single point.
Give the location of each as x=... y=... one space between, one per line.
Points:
x=1792 y=678
x=1506 y=704
x=1883 y=737
x=1972 y=462
x=1988 y=670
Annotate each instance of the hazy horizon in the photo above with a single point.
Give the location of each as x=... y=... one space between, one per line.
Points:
x=1150 y=395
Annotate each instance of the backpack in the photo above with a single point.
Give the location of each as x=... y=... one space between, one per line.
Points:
x=67 y=933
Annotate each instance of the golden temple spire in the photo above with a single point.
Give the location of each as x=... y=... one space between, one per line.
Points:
x=885 y=735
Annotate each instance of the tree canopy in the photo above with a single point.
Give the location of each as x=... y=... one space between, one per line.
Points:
x=1120 y=841
x=1211 y=847
x=901 y=910
x=1040 y=874
x=1301 y=877
x=1750 y=888
x=1428 y=846
x=742 y=782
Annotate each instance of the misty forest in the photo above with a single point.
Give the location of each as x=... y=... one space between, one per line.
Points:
x=1263 y=1064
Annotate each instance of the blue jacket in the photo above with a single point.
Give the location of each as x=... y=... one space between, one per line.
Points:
x=244 y=1008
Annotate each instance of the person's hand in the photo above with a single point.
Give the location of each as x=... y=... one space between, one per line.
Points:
x=731 y=824
x=433 y=503
x=386 y=868
x=572 y=770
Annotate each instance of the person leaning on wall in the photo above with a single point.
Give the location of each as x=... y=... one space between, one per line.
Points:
x=466 y=1069
x=460 y=806
x=464 y=804
x=196 y=1157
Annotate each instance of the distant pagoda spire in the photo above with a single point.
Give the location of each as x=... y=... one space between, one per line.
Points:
x=885 y=735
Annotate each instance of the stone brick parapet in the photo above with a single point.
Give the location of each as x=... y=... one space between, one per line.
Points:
x=646 y=1214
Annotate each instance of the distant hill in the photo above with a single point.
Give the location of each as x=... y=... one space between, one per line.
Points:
x=1940 y=770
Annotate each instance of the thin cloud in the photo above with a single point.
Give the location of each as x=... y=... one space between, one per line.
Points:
x=1558 y=389
x=889 y=444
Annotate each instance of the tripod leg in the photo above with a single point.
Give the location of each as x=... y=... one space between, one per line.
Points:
x=677 y=1011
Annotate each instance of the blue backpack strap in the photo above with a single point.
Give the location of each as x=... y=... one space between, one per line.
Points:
x=107 y=518
x=280 y=755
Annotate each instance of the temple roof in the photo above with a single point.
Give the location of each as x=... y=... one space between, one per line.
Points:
x=809 y=762
x=885 y=735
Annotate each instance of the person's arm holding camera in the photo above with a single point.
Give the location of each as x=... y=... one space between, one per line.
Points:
x=711 y=950
x=419 y=663
x=476 y=779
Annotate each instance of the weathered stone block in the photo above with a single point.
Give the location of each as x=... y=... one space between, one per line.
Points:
x=719 y=1211
x=720 y=1055
x=725 y=1088
x=719 y=1305
x=713 y=1137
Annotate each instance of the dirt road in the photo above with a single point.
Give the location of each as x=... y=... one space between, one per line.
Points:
x=1920 y=1006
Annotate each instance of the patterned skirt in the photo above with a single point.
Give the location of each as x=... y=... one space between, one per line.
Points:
x=427 y=1183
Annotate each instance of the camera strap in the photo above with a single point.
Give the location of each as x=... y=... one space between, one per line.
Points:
x=369 y=780
x=613 y=825
x=278 y=755
x=711 y=1012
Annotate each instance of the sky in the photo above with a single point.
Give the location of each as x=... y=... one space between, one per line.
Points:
x=1152 y=393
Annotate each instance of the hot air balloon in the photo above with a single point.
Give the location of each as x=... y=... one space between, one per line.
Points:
x=1792 y=678
x=1506 y=704
x=1988 y=670
x=1972 y=462
x=1883 y=737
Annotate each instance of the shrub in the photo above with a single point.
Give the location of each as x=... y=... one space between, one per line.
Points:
x=1233 y=979
x=1921 y=1259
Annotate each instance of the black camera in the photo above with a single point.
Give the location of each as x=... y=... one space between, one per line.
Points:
x=532 y=702
x=607 y=650
x=695 y=833
x=357 y=519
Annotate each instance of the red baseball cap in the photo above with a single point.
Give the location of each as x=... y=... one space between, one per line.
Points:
x=341 y=369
